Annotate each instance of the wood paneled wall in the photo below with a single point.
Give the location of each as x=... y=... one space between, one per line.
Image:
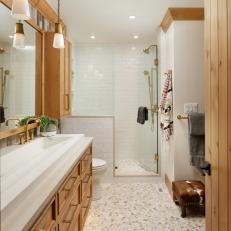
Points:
x=218 y=113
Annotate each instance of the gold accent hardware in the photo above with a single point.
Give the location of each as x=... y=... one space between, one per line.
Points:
x=31 y=134
x=21 y=138
x=11 y=119
x=154 y=109
x=19 y=28
x=58 y=28
x=156 y=62
x=147 y=50
x=156 y=157
x=26 y=128
x=180 y=117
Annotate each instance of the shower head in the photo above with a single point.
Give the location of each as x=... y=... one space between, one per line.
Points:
x=146 y=72
x=147 y=50
x=2 y=50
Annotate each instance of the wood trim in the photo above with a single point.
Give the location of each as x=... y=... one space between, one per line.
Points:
x=214 y=102
x=16 y=131
x=229 y=109
x=168 y=184
x=181 y=14
x=223 y=109
x=207 y=58
x=39 y=74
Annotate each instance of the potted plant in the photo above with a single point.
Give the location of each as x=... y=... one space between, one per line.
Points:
x=48 y=126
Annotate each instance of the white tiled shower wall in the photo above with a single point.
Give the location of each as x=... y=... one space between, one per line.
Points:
x=108 y=81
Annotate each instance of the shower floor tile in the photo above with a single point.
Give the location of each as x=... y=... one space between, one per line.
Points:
x=130 y=167
x=139 y=207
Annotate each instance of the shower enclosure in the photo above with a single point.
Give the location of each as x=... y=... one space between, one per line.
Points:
x=111 y=82
x=136 y=152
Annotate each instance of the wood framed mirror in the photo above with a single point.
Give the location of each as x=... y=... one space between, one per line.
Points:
x=20 y=71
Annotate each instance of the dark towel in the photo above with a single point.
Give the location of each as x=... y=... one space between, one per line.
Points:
x=142 y=115
x=196 y=126
x=2 y=115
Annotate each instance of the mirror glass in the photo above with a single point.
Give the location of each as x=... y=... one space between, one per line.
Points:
x=17 y=70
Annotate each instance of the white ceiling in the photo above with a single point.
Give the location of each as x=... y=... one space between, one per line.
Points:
x=108 y=19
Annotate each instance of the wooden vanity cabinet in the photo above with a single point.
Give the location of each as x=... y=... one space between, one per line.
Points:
x=57 y=80
x=69 y=206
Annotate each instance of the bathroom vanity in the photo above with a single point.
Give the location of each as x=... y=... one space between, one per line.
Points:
x=46 y=184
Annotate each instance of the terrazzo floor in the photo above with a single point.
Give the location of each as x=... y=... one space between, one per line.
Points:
x=139 y=207
x=130 y=167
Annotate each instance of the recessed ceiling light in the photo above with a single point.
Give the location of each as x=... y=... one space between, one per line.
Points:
x=11 y=36
x=92 y=37
x=135 y=36
x=132 y=17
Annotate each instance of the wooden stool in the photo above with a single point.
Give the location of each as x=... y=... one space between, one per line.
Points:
x=188 y=194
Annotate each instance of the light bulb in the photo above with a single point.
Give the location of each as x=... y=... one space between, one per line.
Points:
x=18 y=40
x=20 y=9
x=58 y=41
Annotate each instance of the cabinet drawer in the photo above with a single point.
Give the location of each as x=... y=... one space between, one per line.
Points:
x=86 y=165
x=47 y=221
x=71 y=219
x=86 y=191
x=68 y=187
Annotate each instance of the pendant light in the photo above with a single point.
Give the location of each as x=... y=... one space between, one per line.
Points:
x=18 y=39
x=58 y=41
x=20 y=9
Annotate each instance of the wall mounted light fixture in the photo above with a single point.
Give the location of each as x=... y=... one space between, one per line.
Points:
x=20 y=9
x=58 y=41
x=18 y=39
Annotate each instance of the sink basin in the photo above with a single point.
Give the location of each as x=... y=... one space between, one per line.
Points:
x=21 y=165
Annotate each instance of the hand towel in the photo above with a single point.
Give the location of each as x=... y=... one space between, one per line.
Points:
x=196 y=128
x=142 y=115
x=2 y=114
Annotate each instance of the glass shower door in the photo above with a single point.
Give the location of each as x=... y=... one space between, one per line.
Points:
x=136 y=145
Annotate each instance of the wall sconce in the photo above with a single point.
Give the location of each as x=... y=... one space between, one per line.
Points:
x=58 y=41
x=18 y=39
x=20 y=9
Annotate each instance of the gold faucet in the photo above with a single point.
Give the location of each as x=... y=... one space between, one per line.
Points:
x=35 y=119
x=11 y=119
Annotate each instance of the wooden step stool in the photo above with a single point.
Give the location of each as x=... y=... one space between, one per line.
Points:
x=188 y=194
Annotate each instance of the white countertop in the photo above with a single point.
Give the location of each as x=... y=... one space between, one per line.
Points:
x=31 y=173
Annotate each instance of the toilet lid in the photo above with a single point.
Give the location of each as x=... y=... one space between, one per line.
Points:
x=97 y=163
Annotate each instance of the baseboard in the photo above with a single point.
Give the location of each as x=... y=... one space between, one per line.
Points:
x=168 y=184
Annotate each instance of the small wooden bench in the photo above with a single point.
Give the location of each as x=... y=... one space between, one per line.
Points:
x=188 y=194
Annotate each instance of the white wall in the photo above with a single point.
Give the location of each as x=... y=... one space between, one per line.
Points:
x=182 y=52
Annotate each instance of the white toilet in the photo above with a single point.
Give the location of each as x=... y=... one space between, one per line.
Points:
x=98 y=168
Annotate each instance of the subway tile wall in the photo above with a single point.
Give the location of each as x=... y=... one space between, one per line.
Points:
x=101 y=128
x=108 y=81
